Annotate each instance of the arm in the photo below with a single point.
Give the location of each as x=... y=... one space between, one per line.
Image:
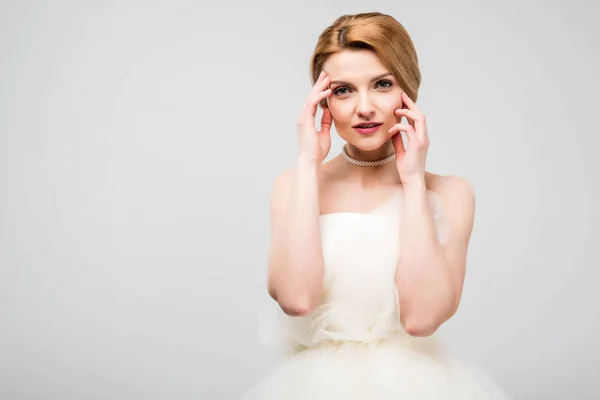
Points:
x=430 y=275
x=295 y=271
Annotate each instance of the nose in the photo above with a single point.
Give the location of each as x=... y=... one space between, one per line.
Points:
x=365 y=108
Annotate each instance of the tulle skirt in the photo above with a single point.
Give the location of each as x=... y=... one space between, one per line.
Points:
x=397 y=368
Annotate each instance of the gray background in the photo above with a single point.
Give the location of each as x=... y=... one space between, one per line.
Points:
x=138 y=145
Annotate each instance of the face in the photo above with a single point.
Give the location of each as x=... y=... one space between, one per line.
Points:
x=362 y=90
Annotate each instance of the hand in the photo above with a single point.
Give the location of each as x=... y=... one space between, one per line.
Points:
x=410 y=161
x=315 y=145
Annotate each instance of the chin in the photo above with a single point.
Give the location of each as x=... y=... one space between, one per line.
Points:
x=367 y=143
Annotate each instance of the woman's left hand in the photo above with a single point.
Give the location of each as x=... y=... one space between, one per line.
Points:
x=410 y=161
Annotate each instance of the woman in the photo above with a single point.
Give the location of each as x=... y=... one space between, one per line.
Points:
x=368 y=250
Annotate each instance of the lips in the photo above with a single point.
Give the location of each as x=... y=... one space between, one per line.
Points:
x=366 y=128
x=367 y=125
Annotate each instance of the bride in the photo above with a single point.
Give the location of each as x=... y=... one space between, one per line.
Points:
x=368 y=250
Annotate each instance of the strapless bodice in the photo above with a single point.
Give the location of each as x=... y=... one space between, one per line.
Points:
x=360 y=297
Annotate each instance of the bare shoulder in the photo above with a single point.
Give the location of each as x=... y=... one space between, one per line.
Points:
x=451 y=188
x=458 y=201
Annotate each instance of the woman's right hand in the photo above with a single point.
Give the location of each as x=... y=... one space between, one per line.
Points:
x=315 y=145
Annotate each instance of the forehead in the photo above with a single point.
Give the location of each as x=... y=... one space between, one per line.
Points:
x=353 y=65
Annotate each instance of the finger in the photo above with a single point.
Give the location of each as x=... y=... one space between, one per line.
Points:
x=420 y=120
x=409 y=103
x=416 y=120
x=310 y=108
x=398 y=144
x=321 y=75
x=411 y=135
x=318 y=87
x=321 y=84
x=410 y=115
x=326 y=120
x=410 y=131
x=319 y=78
x=319 y=91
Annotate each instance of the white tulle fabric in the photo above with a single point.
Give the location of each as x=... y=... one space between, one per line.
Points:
x=353 y=346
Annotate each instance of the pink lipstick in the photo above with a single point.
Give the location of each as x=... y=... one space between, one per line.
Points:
x=367 y=128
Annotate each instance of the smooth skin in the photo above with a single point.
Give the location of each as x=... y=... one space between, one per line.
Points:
x=429 y=276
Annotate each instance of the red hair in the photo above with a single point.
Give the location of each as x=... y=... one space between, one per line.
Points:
x=380 y=33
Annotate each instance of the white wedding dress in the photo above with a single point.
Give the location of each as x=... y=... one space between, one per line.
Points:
x=353 y=346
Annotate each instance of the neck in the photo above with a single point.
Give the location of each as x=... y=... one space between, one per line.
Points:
x=368 y=176
x=370 y=155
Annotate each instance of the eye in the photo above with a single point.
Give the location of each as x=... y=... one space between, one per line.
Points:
x=388 y=83
x=337 y=91
x=384 y=84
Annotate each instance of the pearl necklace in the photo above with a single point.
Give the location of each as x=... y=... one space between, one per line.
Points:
x=361 y=163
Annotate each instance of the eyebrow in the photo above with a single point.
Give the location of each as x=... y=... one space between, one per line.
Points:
x=372 y=80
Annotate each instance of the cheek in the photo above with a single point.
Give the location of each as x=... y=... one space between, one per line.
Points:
x=341 y=111
x=389 y=107
x=393 y=100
